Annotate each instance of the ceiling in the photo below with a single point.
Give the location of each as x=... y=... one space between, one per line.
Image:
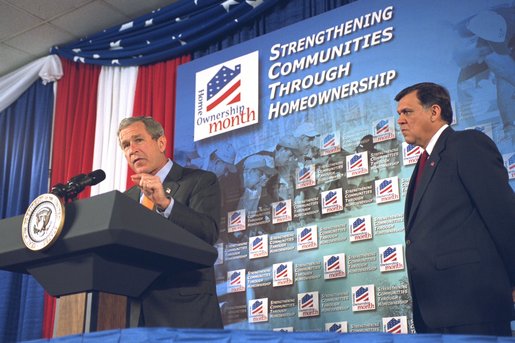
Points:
x=29 y=28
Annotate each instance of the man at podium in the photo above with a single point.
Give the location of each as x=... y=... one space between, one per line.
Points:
x=190 y=198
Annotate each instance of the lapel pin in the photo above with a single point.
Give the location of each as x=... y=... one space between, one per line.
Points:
x=432 y=163
x=168 y=190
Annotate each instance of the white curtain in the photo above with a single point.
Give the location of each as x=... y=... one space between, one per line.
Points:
x=13 y=85
x=116 y=89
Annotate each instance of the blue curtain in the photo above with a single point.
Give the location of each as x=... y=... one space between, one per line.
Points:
x=25 y=138
x=283 y=14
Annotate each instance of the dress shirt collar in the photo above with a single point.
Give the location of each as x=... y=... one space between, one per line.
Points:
x=430 y=146
x=163 y=172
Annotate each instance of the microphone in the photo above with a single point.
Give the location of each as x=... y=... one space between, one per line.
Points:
x=59 y=190
x=78 y=183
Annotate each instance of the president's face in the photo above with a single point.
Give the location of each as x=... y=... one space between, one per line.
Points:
x=415 y=120
x=143 y=153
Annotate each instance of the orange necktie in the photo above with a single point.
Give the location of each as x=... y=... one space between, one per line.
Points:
x=147 y=203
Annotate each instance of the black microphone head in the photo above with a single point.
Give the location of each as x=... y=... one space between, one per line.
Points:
x=78 y=178
x=97 y=176
x=59 y=190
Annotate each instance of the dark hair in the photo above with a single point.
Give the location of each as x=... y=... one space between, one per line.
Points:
x=154 y=128
x=430 y=94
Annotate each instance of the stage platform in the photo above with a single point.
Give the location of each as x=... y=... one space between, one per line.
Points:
x=161 y=335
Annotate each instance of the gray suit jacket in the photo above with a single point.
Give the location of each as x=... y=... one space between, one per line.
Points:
x=187 y=299
x=460 y=233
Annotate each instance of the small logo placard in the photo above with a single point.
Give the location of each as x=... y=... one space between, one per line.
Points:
x=387 y=190
x=363 y=298
x=334 y=266
x=332 y=201
x=330 y=143
x=384 y=130
x=236 y=281
x=236 y=221
x=258 y=310
x=357 y=164
x=308 y=305
x=283 y=274
x=258 y=246
x=410 y=153
x=391 y=258
x=307 y=238
x=395 y=324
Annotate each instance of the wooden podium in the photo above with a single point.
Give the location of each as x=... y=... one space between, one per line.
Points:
x=110 y=248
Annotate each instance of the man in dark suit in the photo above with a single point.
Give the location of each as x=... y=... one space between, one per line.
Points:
x=459 y=220
x=187 y=197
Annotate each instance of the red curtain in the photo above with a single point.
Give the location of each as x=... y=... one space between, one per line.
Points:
x=75 y=119
x=155 y=97
x=74 y=136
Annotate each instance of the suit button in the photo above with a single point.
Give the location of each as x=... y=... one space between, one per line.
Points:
x=408 y=242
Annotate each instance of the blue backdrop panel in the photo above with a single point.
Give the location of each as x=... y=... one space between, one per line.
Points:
x=338 y=73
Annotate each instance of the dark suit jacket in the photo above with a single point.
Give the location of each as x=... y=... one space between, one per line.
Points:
x=187 y=299
x=460 y=233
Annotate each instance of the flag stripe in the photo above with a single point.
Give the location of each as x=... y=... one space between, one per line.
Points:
x=224 y=96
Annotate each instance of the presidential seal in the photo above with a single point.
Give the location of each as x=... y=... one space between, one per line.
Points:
x=43 y=222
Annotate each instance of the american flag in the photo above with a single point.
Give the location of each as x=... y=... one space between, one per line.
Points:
x=304 y=173
x=390 y=255
x=385 y=187
x=307 y=301
x=330 y=198
x=356 y=161
x=393 y=326
x=362 y=294
x=257 y=307
x=224 y=87
x=257 y=244
x=141 y=41
x=511 y=162
x=282 y=271
x=329 y=141
x=333 y=263
x=306 y=235
x=280 y=208
x=235 y=278
x=236 y=218
x=359 y=225
x=382 y=127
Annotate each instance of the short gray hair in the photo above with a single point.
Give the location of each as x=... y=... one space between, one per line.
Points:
x=154 y=128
